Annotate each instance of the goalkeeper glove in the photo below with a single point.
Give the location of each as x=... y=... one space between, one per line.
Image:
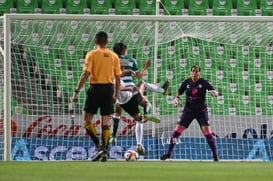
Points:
x=176 y=101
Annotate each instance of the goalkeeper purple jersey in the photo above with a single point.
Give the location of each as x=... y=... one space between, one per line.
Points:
x=195 y=93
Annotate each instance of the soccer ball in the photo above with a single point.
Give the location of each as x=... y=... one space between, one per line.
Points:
x=131 y=155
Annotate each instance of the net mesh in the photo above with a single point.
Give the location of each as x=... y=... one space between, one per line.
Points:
x=47 y=59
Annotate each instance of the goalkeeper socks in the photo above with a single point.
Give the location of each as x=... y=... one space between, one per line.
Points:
x=115 y=126
x=105 y=136
x=153 y=88
x=91 y=130
x=212 y=143
x=139 y=132
x=176 y=133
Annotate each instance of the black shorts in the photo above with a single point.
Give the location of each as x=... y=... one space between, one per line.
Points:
x=131 y=107
x=188 y=116
x=100 y=96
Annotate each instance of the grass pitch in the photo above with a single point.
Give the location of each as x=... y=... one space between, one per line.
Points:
x=135 y=171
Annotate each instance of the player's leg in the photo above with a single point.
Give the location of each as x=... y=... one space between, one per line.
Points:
x=116 y=120
x=105 y=127
x=184 y=122
x=106 y=105
x=90 y=128
x=90 y=108
x=155 y=88
x=178 y=130
x=147 y=107
x=211 y=141
x=139 y=134
x=132 y=109
x=206 y=129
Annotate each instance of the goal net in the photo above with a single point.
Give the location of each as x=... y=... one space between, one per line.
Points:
x=47 y=54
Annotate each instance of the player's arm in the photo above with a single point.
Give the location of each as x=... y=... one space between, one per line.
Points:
x=140 y=74
x=212 y=90
x=117 y=87
x=214 y=93
x=81 y=82
x=180 y=91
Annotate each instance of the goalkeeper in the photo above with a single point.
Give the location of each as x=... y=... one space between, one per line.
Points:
x=195 y=108
x=129 y=64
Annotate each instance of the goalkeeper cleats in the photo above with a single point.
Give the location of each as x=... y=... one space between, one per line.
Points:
x=166 y=87
x=166 y=156
x=113 y=140
x=215 y=158
x=152 y=118
x=98 y=154
x=140 y=149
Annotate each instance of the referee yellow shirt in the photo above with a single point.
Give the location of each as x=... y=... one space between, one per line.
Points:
x=102 y=64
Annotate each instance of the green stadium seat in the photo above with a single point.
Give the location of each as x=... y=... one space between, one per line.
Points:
x=198 y=7
x=266 y=7
x=52 y=7
x=27 y=6
x=222 y=7
x=125 y=7
x=246 y=7
x=77 y=7
x=6 y=7
x=100 y=7
x=147 y=7
x=173 y=7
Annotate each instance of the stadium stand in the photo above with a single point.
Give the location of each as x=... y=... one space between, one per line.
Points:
x=222 y=7
x=77 y=7
x=246 y=7
x=6 y=7
x=27 y=6
x=100 y=7
x=266 y=7
x=125 y=7
x=198 y=7
x=52 y=7
x=147 y=7
x=173 y=7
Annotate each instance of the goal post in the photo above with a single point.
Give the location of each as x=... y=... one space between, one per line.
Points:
x=42 y=61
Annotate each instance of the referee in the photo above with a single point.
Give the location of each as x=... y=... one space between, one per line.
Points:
x=103 y=67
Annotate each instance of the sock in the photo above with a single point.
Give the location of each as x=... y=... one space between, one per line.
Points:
x=139 y=132
x=147 y=108
x=176 y=133
x=92 y=132
x=115 y=126
x=153 y=88
x=105 y=136
x=212 y=142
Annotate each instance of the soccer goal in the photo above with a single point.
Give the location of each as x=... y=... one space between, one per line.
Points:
x=42 y=58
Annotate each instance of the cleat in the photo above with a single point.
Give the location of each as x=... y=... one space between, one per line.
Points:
x=166 y=156
x=152 y=118
x=103 y=158
x=97 y=155
x=166 y=87
x=113 y=140
x=140 y=149
x=215 y=158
